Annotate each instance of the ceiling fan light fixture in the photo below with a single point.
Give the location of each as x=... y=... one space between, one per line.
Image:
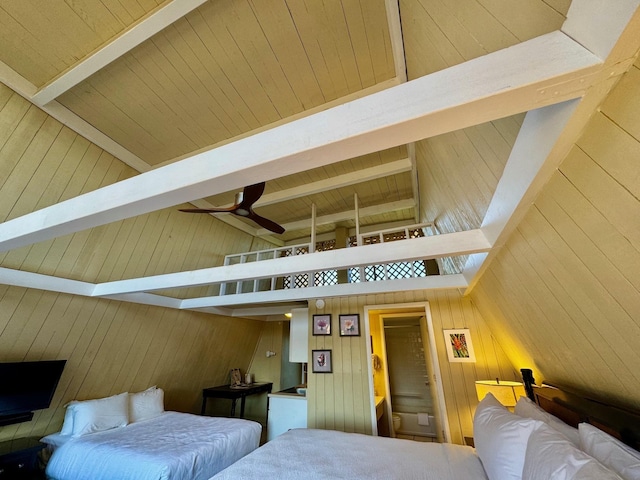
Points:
x=244 y=208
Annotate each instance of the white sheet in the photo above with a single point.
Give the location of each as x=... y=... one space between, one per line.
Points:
x=172 y=446
x=326 y=454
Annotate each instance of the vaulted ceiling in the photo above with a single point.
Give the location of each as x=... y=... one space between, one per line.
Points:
x=337 y=104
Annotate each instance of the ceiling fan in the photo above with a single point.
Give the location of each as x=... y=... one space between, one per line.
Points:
x=243 y=208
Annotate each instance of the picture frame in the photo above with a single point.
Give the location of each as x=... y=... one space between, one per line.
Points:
x=349 y=325
x=235 y=378
x=459 y=345
x=321 y=361
x=322 y=324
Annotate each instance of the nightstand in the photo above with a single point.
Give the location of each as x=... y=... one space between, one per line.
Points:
x=19 y=458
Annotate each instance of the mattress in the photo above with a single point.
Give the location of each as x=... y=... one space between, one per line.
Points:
x=172 y=446
x=326 y=454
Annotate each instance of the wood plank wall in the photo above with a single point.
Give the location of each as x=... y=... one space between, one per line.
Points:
x=341 y=400
x=110 y=346
x=566 y=286
x=458 y=173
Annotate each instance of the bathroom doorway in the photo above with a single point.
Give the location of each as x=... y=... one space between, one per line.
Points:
x=407 y=376
x=405 y=373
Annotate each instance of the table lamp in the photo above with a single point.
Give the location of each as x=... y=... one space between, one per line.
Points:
x=507 y=393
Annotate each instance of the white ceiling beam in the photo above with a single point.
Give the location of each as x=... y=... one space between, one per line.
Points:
x=339 y=181
x=431 y=282
x=348 y=215
x=149 y=299
x=397 y=42
x=528 y=168
x=18 y=278
x=265 y=310
x=364 y=229
x=451 y=244
x=539 y=72
x=130 y=38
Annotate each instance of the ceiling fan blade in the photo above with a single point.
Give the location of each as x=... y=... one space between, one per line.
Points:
x=265 y=223
x=251 y=194
x=208 y=210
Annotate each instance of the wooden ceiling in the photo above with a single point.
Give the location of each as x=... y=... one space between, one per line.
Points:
x=162 y=80
x=310 y=95
x=154 y=82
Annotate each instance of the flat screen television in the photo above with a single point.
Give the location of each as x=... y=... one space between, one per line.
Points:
x=27 y=386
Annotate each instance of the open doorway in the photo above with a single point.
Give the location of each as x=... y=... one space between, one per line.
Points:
x=405 y=373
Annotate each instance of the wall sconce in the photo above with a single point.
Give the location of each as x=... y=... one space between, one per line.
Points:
x=507 y=393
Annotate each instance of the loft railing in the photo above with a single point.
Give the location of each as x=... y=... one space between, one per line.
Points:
x=363 y=273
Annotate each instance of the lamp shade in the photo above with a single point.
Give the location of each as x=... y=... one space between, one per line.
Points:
x=507 y=393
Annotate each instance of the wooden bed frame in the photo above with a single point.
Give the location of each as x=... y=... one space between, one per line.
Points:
x=573 y=408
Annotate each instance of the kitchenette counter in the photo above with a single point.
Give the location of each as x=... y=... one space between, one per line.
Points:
x=289 y=392
x=287 y=410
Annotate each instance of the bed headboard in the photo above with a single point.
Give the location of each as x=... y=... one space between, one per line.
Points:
x=574 y=408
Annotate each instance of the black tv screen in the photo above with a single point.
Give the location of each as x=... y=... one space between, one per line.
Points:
x=28 y=386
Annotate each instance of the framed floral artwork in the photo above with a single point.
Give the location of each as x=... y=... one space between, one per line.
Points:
x=350 y=325
x=321 y=361
x=459 y=345
x=322 y=324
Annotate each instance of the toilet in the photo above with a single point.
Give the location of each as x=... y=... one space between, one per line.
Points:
x=397 y=422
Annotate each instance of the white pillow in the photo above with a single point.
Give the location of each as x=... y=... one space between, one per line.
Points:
x=102 y=414
x=610 y=451
x=501 y=439
x=527 y=408
x=67 y=424
x=146 y=404
x=551 y=456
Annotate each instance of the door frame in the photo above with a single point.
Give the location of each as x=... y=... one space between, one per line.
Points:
x=439 y=400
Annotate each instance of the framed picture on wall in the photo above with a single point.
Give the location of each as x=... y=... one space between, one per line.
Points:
x=350 y=325
x=459 y=346
x=322 y=324
x=321 y=361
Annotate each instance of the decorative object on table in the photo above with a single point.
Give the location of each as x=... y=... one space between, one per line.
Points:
x=507 y=393
x=235 y=377
x=321 y=361
x=350 y=325
x=459 y=346
x=322 y=324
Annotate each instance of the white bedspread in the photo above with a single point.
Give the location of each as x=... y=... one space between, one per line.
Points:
x=173 y=446
x=325 y=454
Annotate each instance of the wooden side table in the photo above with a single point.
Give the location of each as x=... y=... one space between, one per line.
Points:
x=19 y=458
x=234 y=393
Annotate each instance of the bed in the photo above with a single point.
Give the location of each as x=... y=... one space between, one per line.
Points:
x=586 y=440
x=111 y=439
x=319 y=454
